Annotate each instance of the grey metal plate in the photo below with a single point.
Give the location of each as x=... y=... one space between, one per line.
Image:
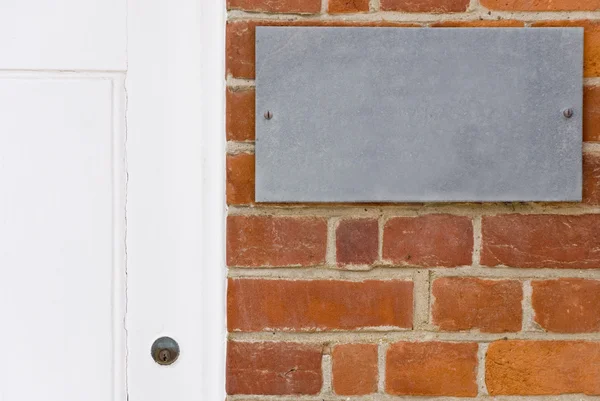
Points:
x=407 y=114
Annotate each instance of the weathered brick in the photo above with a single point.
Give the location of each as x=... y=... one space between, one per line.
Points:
x=591 y=42
x=567 y=305
x=240 y=114
x=431 y=369
x=413 y=369
x=491 y=306
x=542 y=367
x=348 y=6
x=241 y=35
x=239 y=48
x=276 y=6
x=316 y=305
x=505 y=23
x=542 y=5
x=273 y=368
x=240 y=179
x=354 y=369
x=591 y=178
x=357 y=241
x=541 y=241
x=265 y=241
x=591 y=113
x=430 y=240
x=425 y=6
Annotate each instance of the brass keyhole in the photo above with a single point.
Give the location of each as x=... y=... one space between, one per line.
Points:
x=165 y=351
x=164 y=355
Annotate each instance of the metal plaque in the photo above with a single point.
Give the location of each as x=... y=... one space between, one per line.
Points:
x=411 y=115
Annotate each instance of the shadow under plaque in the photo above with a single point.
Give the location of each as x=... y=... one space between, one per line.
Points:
x=414 y=115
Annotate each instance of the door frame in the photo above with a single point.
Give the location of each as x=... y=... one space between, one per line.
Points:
x=175 y=89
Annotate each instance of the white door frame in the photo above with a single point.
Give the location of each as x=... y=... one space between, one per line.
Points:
x=175 y=88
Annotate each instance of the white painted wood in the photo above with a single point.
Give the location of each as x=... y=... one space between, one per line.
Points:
x=61 y=236
x=63 y=34
x=211 y=61
x=86 y=287
x=176 y=197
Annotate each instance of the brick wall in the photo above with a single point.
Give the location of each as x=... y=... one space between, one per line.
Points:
x=455 y=300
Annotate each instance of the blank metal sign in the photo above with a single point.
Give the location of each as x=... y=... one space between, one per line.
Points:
x=412 y=115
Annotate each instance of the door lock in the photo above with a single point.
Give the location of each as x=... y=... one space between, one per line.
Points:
x=165 y=351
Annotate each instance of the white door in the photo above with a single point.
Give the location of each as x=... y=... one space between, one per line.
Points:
x=111 y=202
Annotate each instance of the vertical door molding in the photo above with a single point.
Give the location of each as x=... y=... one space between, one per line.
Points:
x=175 y=197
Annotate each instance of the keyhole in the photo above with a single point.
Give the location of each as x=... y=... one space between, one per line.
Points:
x=164 y=355
x=164 y=351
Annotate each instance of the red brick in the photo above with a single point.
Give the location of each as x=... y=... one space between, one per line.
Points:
x=542 y=5
x=591 y=178
x=240 y=40
x=541 y=241
x=239 y=48
x=505 y=23
x=273 y=368
x=276 y=6
x=425 y=6
x=491 y=306
x=567 y=305
x=543 y=367
x=591 y=42
x=348 y=6
x=430 y=240
x=357 y=241
x=591 y=113
x=317 y=305
x=240 y=179
x=266 y=241
x=354 y=369
x=431 y=369
x=240 y=114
